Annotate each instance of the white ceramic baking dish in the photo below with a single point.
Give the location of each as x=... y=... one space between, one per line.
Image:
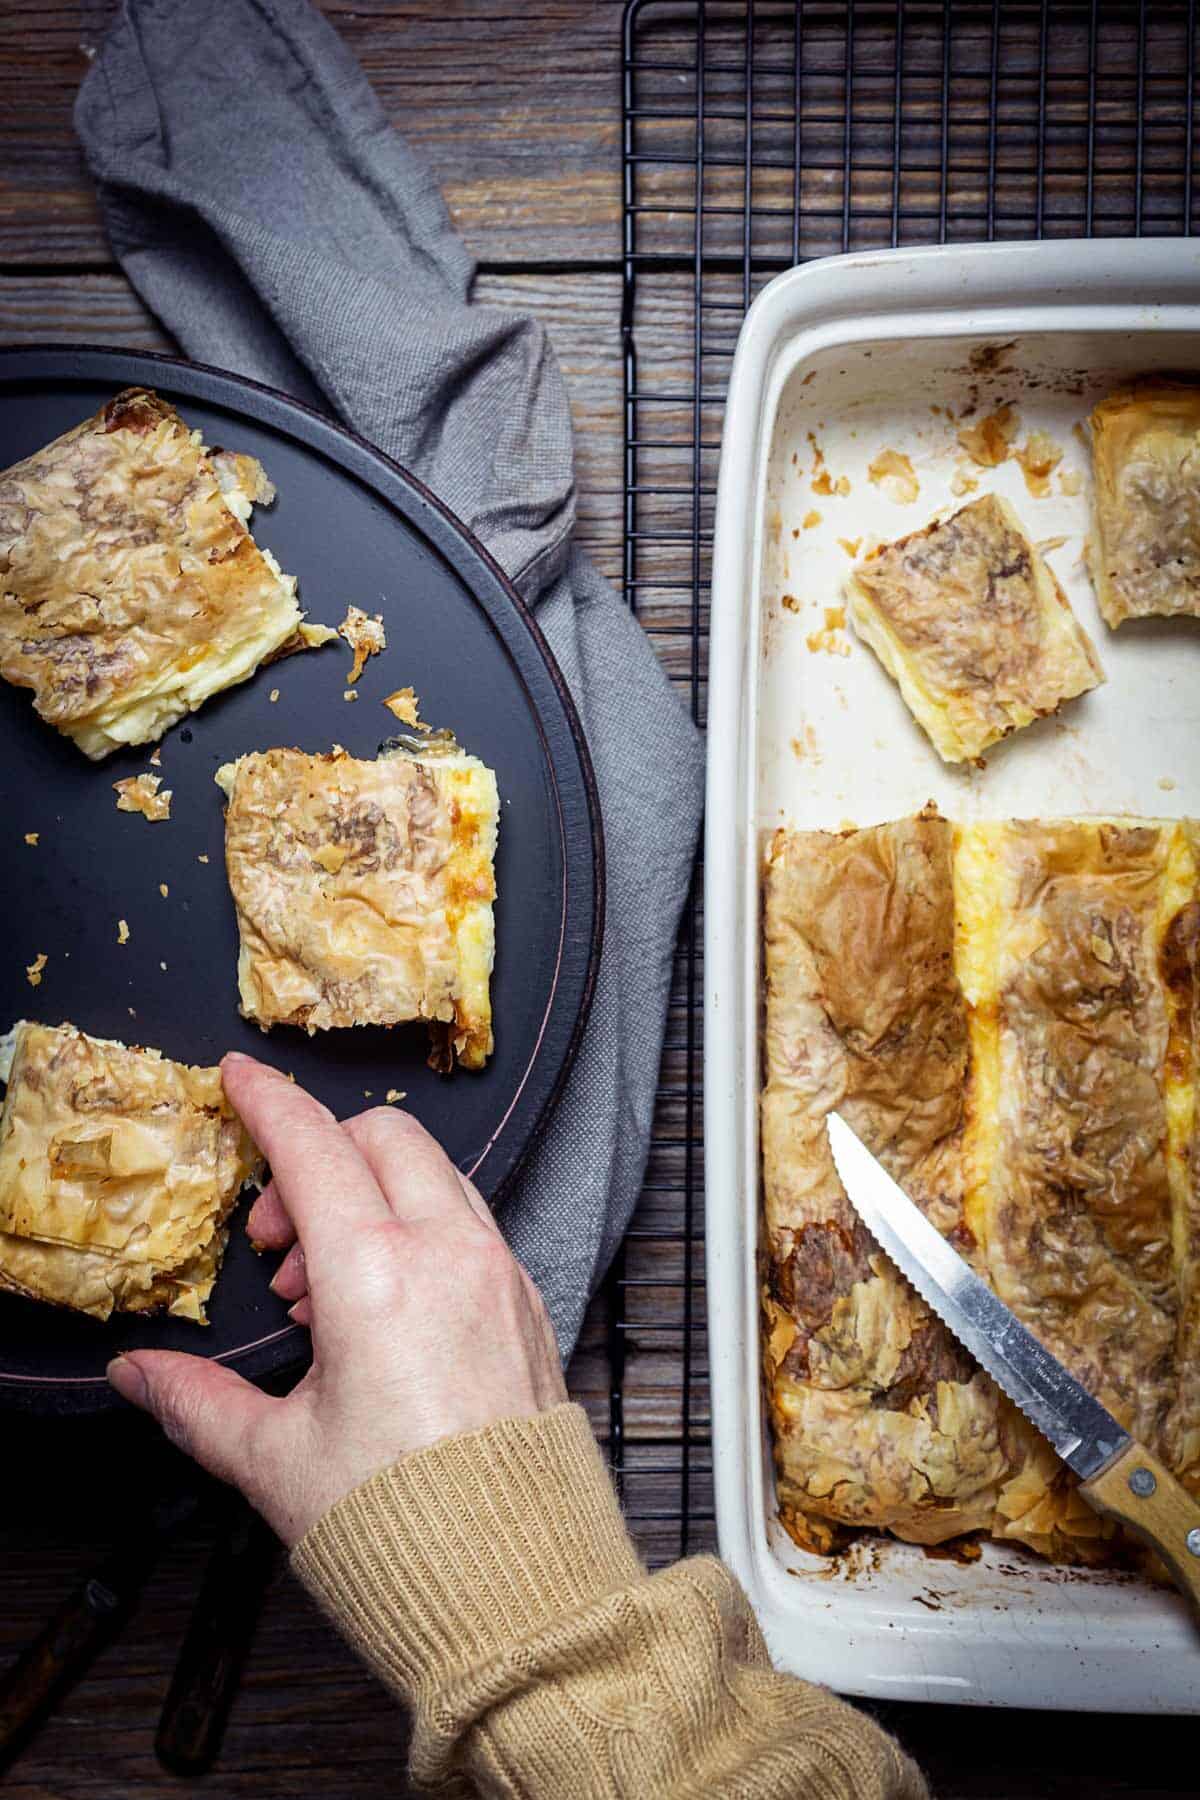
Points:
x=805 y=727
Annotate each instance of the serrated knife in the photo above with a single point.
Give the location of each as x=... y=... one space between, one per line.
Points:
x=1117 y=1475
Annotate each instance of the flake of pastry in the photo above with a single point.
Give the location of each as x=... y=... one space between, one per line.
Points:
x=140 y=794
x=1070 y=481
x=33 y=970
x=156 y=758
x=163 y=889
x=850 y=546
x=365 y=636
x=892 y=471
x=811 y=519
x=961 y=483
x=273 y=695
x=395 y=1095
x=31 y=837
x=364 y=891
x=989 y=442
x=789 y=603
x=973 y=626
x=202 y=857
x=1145 y=554
x=133 y=591
x=118 y=1170
x=403 y=705
x=830 y=638
x=350 y=694
x=122 y=931
x=1038 y=458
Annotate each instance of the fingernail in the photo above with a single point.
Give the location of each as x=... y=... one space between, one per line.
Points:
x=236 y=1056
x=129 y=1381
x=297 y=1261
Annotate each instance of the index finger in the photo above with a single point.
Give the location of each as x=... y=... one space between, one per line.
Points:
x=321 y=1178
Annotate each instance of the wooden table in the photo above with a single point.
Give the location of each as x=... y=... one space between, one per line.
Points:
x=517 y=109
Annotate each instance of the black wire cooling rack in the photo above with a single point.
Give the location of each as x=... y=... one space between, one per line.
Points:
x=756 y=136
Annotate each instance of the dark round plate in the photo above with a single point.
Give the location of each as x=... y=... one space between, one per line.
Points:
x=356 y=529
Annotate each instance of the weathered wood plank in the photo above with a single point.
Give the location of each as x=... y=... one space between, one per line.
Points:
x=516 y=108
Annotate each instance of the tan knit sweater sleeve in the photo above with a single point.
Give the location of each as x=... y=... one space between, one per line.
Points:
x=490 y=1583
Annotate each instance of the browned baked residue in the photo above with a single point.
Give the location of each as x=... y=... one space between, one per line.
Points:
x=985 y=359
x=806 y=748
x=989 y=443
x=1038 y=457
x=850 y=545
x=893 y=472
x=790 y=603
x=811 y=519
x=33 y=970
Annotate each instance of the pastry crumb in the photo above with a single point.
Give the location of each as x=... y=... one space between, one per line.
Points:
x=365 y=636
x=790 y=603
x=810 y=519
x=394 y=1095
x=961 y=483
x=163 y=967
x=1038 y=457
x=350 y=694
x=1167 y=783
x=163 y=889
x=990 y=442
x=828 y=639
x=140 y=794
x=31 y=837
x=33 y=970
x=1070 y=481
x=122 y=932
x=156 y=758
x=273 y=695
x=893 y=472
x=850 y=545
x=405 y=706
x=202 y=858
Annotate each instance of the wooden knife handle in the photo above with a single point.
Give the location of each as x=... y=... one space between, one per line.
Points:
x=1145 y=1497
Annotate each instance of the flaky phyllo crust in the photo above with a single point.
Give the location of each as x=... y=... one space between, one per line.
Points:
x=364 y=892
x=970 y=622
x=1007 y=1014
x=130 y=588
x=1145 y=549
x=118 y=1172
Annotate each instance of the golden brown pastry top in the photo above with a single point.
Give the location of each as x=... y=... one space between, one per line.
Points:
x=1146 y=457
x=129 y=587
x=118 y=1169
x=969 y=620
x=364 y=890
x=1006 y=1012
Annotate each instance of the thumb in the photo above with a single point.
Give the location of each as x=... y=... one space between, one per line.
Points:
x=206 y=1410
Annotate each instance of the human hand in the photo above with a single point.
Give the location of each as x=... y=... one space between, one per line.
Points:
x=424 y=1325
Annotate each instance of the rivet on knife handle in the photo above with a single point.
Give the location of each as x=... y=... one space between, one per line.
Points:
x=1136 y=1489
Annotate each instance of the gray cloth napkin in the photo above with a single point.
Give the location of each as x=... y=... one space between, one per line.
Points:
x=264 y=208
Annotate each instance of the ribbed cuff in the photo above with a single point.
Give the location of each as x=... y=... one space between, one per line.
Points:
x=459 y=1551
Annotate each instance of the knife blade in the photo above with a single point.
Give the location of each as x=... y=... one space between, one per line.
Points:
x=1118 y=1475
